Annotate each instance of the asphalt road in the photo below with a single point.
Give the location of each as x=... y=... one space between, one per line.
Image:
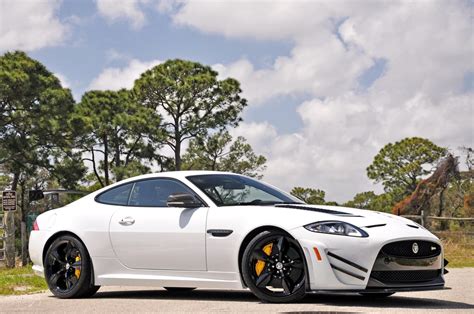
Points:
x=460 y=299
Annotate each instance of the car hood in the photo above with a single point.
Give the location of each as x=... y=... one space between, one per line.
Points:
x=358 y=217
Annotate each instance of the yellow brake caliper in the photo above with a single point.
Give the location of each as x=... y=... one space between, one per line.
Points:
x=77 y=271
x=260 y=265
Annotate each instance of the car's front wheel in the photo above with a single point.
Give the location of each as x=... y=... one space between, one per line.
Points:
x=273 y=267
x=68 y=269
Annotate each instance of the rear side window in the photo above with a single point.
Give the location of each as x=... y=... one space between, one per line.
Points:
x=155 y=193
x=116 y=196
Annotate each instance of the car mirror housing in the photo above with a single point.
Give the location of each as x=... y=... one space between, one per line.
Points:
x=185 y=200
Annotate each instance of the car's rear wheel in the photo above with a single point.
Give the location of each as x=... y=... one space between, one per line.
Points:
x=68 y=269
x=273 y=267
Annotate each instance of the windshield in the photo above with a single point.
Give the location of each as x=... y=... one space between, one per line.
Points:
x=229 y=190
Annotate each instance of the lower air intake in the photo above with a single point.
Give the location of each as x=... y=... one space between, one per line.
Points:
x=411 y=276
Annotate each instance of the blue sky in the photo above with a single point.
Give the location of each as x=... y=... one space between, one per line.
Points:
x=328 y=83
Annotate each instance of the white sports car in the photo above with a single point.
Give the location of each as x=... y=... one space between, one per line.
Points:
x=201 y=229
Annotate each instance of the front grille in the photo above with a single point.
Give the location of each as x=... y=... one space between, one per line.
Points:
x=412 y=249
x=410 y=276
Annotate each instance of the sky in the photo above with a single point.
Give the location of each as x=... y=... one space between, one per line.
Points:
x=328 y=83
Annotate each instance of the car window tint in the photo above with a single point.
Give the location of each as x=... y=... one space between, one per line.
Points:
x=116 y=196
x=155 y=192
x=229 y=190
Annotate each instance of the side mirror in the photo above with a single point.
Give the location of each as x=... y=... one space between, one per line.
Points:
x=183 y=200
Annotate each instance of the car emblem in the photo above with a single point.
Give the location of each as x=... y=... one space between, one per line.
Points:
x=433 y=248
x=415 y=248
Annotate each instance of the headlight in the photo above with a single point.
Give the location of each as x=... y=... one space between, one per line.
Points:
x=337 y=227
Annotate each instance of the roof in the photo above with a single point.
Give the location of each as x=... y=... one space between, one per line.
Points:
x=175 y=174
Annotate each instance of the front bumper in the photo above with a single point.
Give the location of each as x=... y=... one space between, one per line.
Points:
x=348 y=264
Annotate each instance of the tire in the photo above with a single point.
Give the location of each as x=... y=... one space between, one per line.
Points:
x=92 y=290
x=377 y=295
x=178 y=289
x=270 y=282
x=68 y=269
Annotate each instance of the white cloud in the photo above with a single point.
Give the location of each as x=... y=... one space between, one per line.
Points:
x=114 y=55
x=341 y=135
x=117 y=78
x=129 y=10
x=30 y=25
x=428 y=48
x=63 y=79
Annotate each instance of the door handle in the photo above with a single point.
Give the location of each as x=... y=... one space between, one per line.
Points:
x=127 y=221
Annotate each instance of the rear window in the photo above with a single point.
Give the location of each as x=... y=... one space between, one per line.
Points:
x=116 y=196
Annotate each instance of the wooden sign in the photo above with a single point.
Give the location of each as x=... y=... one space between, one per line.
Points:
x=9 y=201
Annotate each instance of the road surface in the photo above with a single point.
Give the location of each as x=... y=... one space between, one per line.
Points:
x=460 y=299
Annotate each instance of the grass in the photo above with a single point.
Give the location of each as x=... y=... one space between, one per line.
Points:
x=458 y=249
x=20 y=280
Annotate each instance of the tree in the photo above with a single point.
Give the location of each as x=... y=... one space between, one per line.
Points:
x=469 y=157
x=401 y=165
x=436 y=184
x=33 y=108
x=362 y=200
x=191 y=100
x=370 y=200
x=114 y=125
x=218 y=152
x=309 y=195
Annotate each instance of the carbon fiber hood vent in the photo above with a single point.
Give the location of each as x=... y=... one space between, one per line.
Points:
x=319 y=210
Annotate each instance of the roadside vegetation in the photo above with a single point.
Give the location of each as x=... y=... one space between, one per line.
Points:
x=20 y=280
x=458 y=248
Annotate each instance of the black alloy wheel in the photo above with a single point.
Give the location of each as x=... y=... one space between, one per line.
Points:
x=273 y=267
x=68 y=270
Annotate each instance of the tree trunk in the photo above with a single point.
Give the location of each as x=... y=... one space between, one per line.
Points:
x=177 y=156
x=177 y=148
x=16 y=177
x=106 y=160
x=94 y=167
x=443 y=223
x=22 y=197
x=118 y=176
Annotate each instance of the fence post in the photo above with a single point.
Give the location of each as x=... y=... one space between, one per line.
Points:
x=423 y=218
x=24 y=245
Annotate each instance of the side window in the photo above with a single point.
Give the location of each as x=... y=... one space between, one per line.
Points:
x=155 y=193
x=116 y=196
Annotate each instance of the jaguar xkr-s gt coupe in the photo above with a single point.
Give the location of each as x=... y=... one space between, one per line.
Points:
x=201 y=229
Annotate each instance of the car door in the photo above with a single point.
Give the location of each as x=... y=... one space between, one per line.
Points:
x=147 y=234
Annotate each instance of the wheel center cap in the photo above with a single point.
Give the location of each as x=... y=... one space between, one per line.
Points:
x=279 y=266
x=67 y=266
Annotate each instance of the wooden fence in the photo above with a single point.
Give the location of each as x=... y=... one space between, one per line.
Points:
x=423 y=218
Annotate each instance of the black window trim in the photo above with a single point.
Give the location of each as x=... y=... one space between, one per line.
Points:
x=147 y=179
